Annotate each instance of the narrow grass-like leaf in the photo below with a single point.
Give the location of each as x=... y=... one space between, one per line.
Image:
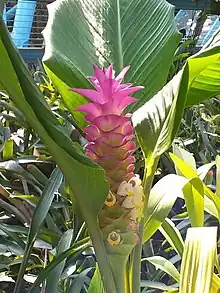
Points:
x=76 y=248
x=198 y=260
x=194 y=198
x=155 y=285
x=218 y=176
x=13 y=236
x=189 y=173
x=54 y=276
x=172 y=235
x=39 y=215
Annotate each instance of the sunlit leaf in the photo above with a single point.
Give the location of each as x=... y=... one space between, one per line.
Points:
x=218 y=176
x=172 y=235
x=139 y=33
x=185 y=156
x=160 y=117
x=160 y=203
x=198 y=260
x=189 y=173
x=165 y=265
x=194 y=198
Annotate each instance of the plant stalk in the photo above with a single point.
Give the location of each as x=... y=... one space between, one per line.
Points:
x=136 y=257
x=102 y=260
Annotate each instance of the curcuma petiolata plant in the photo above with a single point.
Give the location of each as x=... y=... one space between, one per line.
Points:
x=120 y=211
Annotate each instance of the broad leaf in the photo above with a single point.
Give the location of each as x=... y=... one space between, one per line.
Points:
x=160 y=117
x=86 y=179
x=198 y=260
x=160 y=203
x=204 y=78
x=140 y=33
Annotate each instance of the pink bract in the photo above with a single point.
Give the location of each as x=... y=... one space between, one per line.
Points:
x=110 y=131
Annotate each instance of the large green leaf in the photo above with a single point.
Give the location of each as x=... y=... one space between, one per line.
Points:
x=162 y=198
x=198 y=260
x=140 y=33
x=204 y=78
x=157 y=122
x=86 y=179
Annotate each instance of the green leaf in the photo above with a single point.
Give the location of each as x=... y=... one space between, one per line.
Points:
x=204 y=78
x=162 y=198
x=139 y=33
x=85 y=178
x=54 y=276
x=189 y=173
x=172 y=235
x=185 y=156
x=155 y=285
x=215 y=284
x=165 y=265
x=218 y=176
x=198 y=260
x=160 y=117
x=96 y=284
x=194 y=198
x=39 y=215
x=8 y=149
x=203 y=170
x=75 y=249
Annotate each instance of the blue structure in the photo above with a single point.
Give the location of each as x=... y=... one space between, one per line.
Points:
x=214 y=28
x=23 y=22
x=27 y=18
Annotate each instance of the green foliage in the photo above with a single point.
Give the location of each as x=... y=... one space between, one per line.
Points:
x=160 y=118
x=137 y=33
x=86 y=179
x=55 y=246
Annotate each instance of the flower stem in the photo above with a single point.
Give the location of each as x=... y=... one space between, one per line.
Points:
x=136 y=258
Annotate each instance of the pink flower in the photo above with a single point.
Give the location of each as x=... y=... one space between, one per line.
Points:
x=110 y=131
